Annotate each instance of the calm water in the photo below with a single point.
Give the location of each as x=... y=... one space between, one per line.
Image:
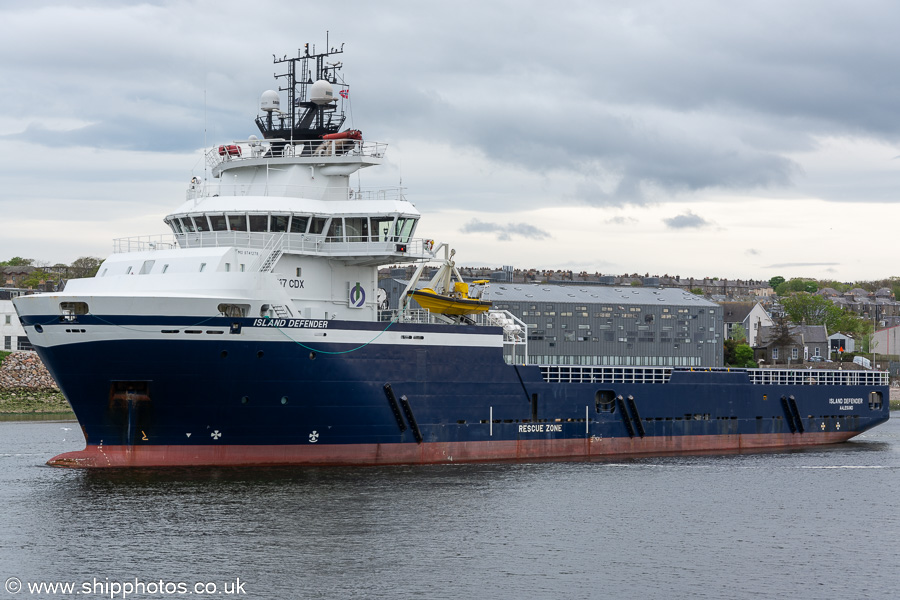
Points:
x=806 y=524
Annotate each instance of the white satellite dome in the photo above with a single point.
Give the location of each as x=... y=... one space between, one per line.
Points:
x=269 y=101
x=322 y=92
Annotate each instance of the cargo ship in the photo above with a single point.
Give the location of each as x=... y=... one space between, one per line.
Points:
x=253 y=334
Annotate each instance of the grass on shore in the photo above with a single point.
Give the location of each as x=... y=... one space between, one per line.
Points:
x=25 y=401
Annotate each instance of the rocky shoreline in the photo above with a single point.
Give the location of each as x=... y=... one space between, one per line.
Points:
x=27 y=387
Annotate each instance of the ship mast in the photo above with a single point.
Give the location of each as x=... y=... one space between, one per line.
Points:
x=310 y=113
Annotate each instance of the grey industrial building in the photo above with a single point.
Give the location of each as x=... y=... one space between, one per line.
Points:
x=604 y=325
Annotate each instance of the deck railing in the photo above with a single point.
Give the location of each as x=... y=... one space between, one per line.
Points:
x=817 y=377
x=299 y=243
x=610 y=374
x=312 y=192
x=576 y=374
x=245 y=150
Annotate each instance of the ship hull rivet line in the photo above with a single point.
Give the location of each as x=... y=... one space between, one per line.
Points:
x=395 y=408
x=407 y=410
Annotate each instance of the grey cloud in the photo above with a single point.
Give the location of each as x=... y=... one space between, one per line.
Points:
x=681 y=97
x=620 y=220
x=505 y=232
x=686 y=221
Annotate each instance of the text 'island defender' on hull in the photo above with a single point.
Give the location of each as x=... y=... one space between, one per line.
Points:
x=252 y=335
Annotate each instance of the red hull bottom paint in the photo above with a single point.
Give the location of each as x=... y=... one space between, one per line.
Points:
x=99 y=456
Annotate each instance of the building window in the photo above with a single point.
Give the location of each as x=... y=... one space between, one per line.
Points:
x=816 y=351
x=8 y=319
x=794 y=354
x=24 y=344
x=774 y=353
x=7 y=342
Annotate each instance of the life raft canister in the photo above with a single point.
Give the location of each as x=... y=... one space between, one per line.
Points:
x=230 y=150
x=350 y=134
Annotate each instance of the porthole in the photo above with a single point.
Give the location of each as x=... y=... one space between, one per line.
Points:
x=38 y=328
x=260 y=354
x=245 y=399
x=224 y=353
x=284 y=399
x=312 y=356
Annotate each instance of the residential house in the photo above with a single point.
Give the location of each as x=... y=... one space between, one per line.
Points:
x=12 y=334
x=808 y=341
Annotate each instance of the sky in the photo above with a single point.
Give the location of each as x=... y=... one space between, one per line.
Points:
x=692 y=138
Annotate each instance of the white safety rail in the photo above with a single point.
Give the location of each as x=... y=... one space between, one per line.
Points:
x=320 y=149
x=264 y=188
x=609 y=374
x=298 y=243
x=599 y=374
x=817 y=377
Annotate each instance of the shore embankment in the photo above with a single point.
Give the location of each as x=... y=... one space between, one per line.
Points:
x=26 y=387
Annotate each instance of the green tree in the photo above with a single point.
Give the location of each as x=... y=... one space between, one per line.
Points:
x=776 y=281
x=743 y=356
x=738 y=354
x=796 y=284
x=738 y=333
x=86 y=266
x=36 y=278
x=729 y=347
x=852 y=324
x=17 y=261
x=807 y=309
x=697 y=291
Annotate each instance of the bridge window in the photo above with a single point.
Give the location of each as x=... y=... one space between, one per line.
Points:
x=218 y=222
x=318 y=225
x=336 y=231
x=237 y=222
x=200 y=223
x=259 y=222
x=381 y=228
x=187 y=224
x=404 y=229
x=279 y=223
x=175 y=224
x=357 y=229
x=299 y=224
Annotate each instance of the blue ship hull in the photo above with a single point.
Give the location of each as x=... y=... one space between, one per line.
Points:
x=228 y=400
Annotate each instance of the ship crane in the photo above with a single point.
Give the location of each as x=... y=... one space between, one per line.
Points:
x=447 y=295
